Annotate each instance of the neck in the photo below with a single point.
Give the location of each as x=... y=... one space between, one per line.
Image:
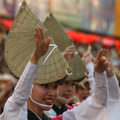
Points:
x=34 y=108
x=57 y=103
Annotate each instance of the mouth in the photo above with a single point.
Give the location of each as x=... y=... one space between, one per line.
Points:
x=67 y=96
x=49 y=101
x=85 y=97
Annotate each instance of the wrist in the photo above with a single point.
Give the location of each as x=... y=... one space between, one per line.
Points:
x=34 y=59
x=110 y=74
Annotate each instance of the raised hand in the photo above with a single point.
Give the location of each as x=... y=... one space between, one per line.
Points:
x=69 y=54
x=101 y=62
x=87 y=57
x=41 y=47
x=109 y=71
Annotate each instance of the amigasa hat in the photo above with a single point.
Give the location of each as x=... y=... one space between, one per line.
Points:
x=62 y=40
x=20 y=44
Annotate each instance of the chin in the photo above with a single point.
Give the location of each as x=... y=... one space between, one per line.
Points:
x=47 y=109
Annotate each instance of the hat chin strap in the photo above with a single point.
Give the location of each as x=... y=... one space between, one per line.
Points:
x=64 y=99
x=43 y=105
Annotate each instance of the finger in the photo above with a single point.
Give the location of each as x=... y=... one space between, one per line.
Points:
x=106 y=63
x=72 y=55
x=71 y=48
x=108 y=54
x=41 y=33
x=47 y=43
x=37 y=33
x=36 y=36
x=103 y=59
x=99 y=54
x=103 y=53
x=95 y=62
x=69 y=52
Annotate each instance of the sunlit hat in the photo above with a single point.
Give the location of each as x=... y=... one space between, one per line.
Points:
x=62 y=40
x=21 y=43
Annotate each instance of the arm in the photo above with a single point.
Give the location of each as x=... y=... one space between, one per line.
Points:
x=15 y=103
x=113 y=88
x=113 y=85
x=21 y=94
x=93 y=108
x=88 y=61
x=101 y=64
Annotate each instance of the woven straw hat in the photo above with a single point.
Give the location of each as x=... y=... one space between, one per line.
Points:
x=21 y=43
x=62 y=40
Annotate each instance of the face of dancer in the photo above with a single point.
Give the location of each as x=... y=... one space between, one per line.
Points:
x=45 y=94
x=82 y=94
x=66 y=91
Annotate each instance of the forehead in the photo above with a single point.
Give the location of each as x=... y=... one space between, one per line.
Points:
x=70 y=82
x=50 y=84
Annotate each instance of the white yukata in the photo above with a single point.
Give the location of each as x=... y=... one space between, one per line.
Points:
x=90 y=67
x=113 y=104
x=92 y=108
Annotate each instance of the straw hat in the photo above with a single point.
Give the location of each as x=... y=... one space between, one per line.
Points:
x=21 y=43
x=62 y=40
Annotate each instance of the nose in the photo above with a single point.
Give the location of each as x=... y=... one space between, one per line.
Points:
x=52 y=92
x=69 y=88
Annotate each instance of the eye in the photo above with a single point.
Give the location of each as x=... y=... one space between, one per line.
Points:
x=73 y=84
x=56 y=86
x=45 y=85
x=66 y=82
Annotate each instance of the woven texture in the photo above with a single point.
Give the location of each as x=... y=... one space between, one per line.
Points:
x=21 y=43
x=62 y=40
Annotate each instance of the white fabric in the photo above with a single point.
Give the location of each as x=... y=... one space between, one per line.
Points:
x=113 y=88
x=51 y=113
x=16 y=107
x=91 y=109
x=113 y=104
x=91 y=78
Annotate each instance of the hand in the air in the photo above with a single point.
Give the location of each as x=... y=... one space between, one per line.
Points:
x=41 y=47
x=87 y=58
x=101 y=62
x=69 y=54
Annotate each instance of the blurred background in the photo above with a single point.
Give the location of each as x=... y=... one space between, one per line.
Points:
x=92 y=23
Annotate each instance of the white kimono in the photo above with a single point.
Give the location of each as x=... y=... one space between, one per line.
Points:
x=91 y=109
x=113 y=104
